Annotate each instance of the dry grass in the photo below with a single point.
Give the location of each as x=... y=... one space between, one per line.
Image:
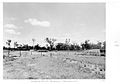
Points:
x=53 y=65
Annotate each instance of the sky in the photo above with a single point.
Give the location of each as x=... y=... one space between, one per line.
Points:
x=75 y=21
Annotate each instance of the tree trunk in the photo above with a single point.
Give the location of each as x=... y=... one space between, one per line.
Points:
x=31 y=52
x=8 y=51
x=51 y=47
x=20 y=53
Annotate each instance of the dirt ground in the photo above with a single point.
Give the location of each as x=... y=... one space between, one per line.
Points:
x=52 y=65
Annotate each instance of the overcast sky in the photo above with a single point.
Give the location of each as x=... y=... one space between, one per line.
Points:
x=79 y=22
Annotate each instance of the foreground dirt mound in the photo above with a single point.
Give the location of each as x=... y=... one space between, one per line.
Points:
x=55 y=66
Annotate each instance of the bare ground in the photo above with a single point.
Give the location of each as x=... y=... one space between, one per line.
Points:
x=52 y=65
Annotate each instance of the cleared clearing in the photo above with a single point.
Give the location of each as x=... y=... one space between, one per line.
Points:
x=52 y=65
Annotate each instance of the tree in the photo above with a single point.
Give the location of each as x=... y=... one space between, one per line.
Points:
x=47 y=47
x=74 y=46
x=67 y=41
x=99 y=44
x=25 y=47
x=8 y=43
x=60 y=46
x=85 y=45
x=4 y=47
x=33 y=42
x=15 y=45
x=50 y=42
x=37 y=47
x=19 y=46
x=104 y=45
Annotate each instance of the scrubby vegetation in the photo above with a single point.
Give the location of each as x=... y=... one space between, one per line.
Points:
x=54 y=61
x=51 y=46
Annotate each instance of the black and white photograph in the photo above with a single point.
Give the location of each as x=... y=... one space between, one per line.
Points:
x=54 y=40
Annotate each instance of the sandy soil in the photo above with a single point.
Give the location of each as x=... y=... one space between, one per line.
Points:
x=52 y=65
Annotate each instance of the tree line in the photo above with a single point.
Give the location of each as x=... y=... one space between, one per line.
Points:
x=51 y=45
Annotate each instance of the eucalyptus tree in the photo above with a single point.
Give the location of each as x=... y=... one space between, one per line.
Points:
x=67 y=42
x=99 y=44
x=87 y=44
x=33 y=42
x=20 y=47
x=15 y=45
x=50 y=42
x=8 y=43
x=104 y=45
